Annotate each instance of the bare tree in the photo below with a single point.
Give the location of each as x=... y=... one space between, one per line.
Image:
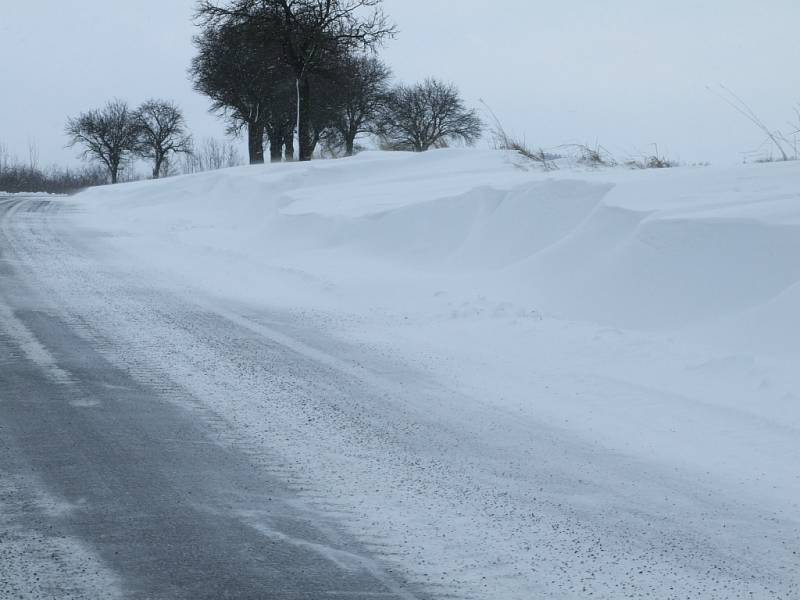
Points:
x=310 y=32
x=428 y=115
x=362 y=90
x=5 y=157
x=33 y=155
x=325 y=115
x=242 y=71
x=162 y=132
x=109 y=135
x=211 y=155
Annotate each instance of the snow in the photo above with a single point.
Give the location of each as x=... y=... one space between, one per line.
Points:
x=52 y=565
x=581 y=379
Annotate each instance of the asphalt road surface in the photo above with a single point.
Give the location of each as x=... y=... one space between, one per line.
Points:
x=113 y=488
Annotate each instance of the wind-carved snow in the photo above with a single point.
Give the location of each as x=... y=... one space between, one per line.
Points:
x=507 y=384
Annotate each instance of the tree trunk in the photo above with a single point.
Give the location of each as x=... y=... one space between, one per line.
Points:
x=255 y=143
x=315 y=138
x=304 y=134
x=157 y=167
x=114 y=172
x=276 y=146
x=289 y=146
x=350 y=144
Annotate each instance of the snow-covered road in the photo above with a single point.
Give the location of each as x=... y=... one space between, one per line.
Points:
x=115 y=482
x=470 y=444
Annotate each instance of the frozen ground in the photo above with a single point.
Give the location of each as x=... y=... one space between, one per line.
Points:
x=507 y=384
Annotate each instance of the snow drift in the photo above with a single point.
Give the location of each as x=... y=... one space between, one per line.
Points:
x=636 y=249
x=589 y=377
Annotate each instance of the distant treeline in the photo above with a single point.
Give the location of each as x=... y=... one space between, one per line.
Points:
x=28 y=177
x=17 y=176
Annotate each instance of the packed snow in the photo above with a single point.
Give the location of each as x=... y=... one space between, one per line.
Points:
x=549 y=384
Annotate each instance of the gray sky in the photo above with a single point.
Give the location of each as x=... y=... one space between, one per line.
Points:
x=624 y=73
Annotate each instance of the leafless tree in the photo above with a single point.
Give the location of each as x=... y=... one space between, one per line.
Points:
x=361 y=91
x=242 y=71
x=33 y=155
x=5 y=157
x=162 y=132
x=211 y=155
x=108 y=135
x=428 y=115
x=310 y=32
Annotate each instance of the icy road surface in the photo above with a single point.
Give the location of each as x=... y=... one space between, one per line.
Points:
x=117 y=483
x=438 y=376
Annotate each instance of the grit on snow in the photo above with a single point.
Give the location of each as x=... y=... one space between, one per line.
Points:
x=539 y=385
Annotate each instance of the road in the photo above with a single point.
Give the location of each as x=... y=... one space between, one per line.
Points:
x=110 y=487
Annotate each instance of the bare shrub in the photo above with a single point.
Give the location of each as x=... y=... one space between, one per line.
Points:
x=502 y=140
x=774 y=137
x=594 y=156
x=651 y=161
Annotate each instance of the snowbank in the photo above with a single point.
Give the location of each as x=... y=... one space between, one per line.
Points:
x=649 y=249
x=649 y=318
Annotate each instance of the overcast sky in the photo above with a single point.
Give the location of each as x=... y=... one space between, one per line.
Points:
x=624 y=73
